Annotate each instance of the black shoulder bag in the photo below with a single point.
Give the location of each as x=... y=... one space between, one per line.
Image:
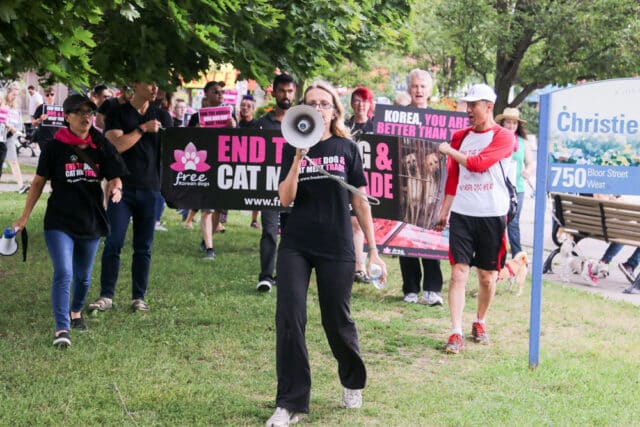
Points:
x=513 y=196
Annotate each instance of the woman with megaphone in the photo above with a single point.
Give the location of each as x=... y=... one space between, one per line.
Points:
x=75 y=162
x=318 y=236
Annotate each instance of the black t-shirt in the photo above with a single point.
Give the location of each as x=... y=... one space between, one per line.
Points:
x=319 y=222
x=253 y=123
x=268 y=121
x=143 y=159
x=76 y=202
x=359 y=128
x=108 y=105
x=42 y=133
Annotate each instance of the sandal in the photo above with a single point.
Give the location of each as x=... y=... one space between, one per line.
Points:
x=361 y=277
x=101 y=304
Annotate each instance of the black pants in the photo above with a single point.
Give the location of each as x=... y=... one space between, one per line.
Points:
x=335 y=279
x=411 y=275
x=268 y=244
x=3 y=154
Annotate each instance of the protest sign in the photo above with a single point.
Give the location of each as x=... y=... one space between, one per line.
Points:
x=214 y=117
x=230 y=96
x=55 y=116
x=420 y=123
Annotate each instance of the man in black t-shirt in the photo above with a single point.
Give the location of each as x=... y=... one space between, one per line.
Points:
x=133 y=128
x=284 y=91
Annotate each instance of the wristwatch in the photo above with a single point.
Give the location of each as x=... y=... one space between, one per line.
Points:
x=139 y=129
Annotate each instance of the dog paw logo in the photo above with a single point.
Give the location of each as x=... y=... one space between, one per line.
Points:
x=190 y=159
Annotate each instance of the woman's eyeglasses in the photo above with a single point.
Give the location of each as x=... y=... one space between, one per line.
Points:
x=50 y=94
x=321 y=106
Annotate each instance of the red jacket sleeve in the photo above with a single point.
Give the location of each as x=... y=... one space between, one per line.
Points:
x=500 y=147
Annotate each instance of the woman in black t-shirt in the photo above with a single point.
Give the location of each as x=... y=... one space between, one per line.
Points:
x=318 y=236
x=75 y=161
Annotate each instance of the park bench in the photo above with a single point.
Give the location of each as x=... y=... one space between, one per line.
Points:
x=586 y=217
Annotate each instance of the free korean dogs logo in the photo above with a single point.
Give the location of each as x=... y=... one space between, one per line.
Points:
x=190 y=165
x=190 y=159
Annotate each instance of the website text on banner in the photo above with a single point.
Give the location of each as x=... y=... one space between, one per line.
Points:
x=594 y=146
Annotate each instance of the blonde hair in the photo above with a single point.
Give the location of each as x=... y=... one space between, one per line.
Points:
x=337 y=122
x=15 y=103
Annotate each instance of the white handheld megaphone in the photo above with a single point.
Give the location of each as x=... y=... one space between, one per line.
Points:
x=8 y=244
x=302 y=127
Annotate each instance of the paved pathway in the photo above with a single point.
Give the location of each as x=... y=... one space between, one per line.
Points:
x=610 y=287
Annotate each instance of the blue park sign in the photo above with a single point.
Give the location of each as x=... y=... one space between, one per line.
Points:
x=589 y=142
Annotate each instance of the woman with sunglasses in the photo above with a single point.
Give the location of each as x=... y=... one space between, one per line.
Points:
x=75 y=160
x=318 y=236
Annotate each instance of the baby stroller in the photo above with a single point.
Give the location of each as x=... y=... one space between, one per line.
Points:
x=25 y=140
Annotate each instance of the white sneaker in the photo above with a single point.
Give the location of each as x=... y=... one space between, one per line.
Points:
x=431 y=299
x=351 y=399
x=603 y=270
x=411 y=298
x=282 y=418
x=160 y=227
x=264 y=285
x=435 y=299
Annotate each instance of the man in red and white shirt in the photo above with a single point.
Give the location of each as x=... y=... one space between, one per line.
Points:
x=475 y=206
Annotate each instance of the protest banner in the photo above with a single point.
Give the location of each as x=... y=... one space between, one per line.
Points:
x=55 y=116
x=418 y=123
x=239 y=169
x=214 y=117
x=404 y=222
x=221 y=168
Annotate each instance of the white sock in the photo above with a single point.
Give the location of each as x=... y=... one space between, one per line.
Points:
x=480 y=321
x=456 y=331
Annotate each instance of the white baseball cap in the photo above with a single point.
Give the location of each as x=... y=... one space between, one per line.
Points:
x=480 y=92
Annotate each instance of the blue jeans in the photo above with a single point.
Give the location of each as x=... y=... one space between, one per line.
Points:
x=513 y=228
x=72 y=260
x=614 y=249
x=159 y=207
x=140 y=205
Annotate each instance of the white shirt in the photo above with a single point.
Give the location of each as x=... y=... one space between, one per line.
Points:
x=34 y=101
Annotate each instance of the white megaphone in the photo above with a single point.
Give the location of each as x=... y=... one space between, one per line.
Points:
x=8 y=244
x=302 y=127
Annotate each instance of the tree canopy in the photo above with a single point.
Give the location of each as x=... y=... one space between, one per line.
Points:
x=528 y=44
x=77 y=42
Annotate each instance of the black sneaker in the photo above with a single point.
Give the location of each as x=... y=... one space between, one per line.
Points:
x=78 y=324
x=62 y=340
x=202 y=247
x=209 y=254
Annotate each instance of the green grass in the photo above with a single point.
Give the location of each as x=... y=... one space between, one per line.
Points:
x=204 y=354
